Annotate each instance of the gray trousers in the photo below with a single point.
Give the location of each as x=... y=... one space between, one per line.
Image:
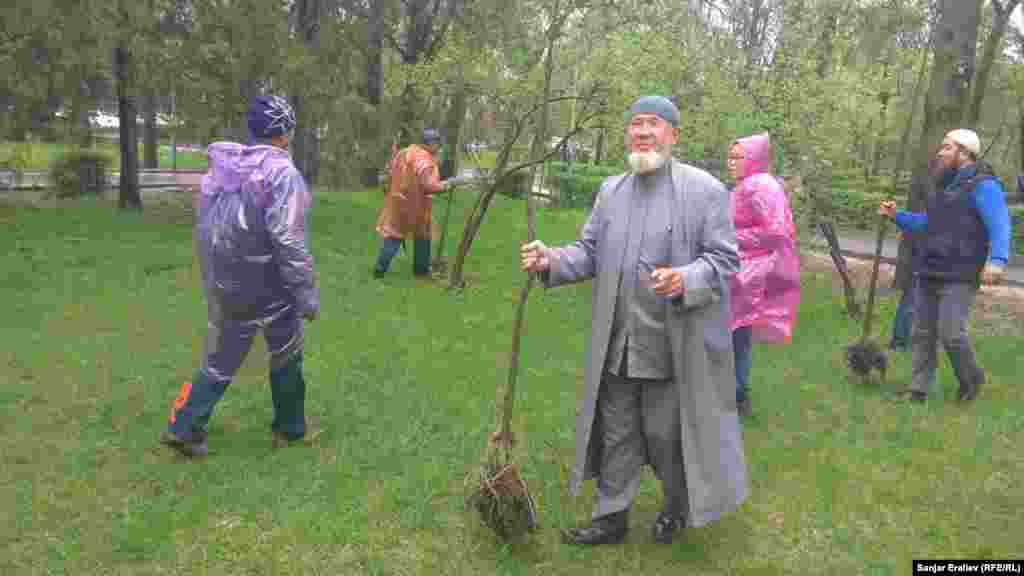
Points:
x=941 y=310
x=639 y=425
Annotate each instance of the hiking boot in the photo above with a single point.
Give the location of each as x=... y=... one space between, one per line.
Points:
x=195 y=448
x=970 y=392
x=915 y=396
x=608 y=529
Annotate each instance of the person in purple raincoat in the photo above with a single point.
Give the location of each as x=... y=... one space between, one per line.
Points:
x=766 y=291
x=253 y=247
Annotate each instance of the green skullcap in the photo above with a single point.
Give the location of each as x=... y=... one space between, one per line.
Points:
x=657 y=105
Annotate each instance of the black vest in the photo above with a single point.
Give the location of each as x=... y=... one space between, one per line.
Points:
x=956 y=245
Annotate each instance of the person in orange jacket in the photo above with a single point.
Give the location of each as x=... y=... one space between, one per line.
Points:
x=414 y=179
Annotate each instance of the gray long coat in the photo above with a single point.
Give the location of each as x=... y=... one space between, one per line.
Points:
x=703 y=248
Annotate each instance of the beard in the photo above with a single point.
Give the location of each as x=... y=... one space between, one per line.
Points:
x=647 y=162
x=937 y=170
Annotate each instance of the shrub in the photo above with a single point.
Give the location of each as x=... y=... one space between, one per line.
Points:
x=80 y=172
x=577 y=183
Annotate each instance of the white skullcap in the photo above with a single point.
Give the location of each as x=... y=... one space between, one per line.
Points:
x=966 y=138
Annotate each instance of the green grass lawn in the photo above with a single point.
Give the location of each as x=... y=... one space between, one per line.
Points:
x=39 y=155
x=105 y=318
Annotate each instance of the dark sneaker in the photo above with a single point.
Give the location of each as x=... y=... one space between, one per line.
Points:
x=911 y=396
x=743 y=407
x=970 y=392
x=609 y=529
x=665 y=528
x=379 y=273
x=196 y=448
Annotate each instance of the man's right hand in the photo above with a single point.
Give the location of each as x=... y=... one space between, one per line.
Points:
x=535 y=257
x=887 y=208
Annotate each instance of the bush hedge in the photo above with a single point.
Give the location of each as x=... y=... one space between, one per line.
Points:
x=576 y=184
x=80 y=172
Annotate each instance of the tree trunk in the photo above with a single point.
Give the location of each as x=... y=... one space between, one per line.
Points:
x=129 y=198
x=1020 y=141
x=249 y=89
x=150 y=135
x=450 y=167
x=909 y=128
x=305 y=145
x=483 y=202
x=453 y=130
x=81 y=131
x=375 y=59
x=993 y=43
x=955 y=44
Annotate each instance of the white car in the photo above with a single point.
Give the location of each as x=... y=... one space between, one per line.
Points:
x=104 y=120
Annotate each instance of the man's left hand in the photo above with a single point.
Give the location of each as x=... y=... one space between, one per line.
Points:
x=667 y=283
x=993 y=273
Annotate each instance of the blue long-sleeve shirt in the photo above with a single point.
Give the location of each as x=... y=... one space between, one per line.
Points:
x=989 y=200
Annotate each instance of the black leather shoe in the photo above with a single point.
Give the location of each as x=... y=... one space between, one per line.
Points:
x=665 y=528
x=970 y=392
x=608 y=529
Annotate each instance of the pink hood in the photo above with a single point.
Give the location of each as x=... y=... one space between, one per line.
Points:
x=757 y=154
x=766 y=291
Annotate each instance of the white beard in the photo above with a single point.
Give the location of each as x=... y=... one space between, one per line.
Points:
x=646 y=162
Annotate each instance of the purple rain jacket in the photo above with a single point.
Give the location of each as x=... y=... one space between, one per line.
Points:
x=251 y=233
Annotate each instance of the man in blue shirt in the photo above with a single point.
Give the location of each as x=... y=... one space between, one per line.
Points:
x=964 y=241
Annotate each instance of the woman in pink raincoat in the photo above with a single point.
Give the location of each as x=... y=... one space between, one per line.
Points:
x=766 y=291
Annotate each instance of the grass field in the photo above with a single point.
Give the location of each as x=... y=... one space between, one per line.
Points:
x=105 y=319
x=39 y=155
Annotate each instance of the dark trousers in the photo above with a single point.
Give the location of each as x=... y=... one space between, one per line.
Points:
x=743 y=354
x=639 y=424
x=903 y=321
x=227 y=344
x=941 y=311
x=421 y=255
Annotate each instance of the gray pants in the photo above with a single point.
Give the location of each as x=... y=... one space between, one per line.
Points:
x=639 y=425
x=941 y=310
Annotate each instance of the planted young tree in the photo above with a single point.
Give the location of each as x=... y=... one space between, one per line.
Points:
x=590 y=105
x=521 y=96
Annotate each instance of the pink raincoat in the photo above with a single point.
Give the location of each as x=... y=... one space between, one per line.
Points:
x=766 y=291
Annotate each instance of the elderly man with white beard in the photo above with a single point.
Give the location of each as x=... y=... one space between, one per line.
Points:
x=659 y=383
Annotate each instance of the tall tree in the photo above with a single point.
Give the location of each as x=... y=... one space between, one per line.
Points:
x=305 y=144
x=954 y=45
x=422 y=31
x=129 y=197
x=1002 y=10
